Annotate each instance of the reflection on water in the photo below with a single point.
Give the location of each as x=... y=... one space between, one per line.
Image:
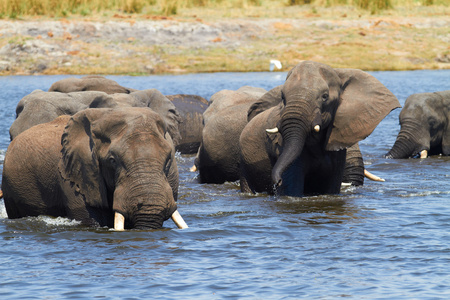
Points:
x=381 y=240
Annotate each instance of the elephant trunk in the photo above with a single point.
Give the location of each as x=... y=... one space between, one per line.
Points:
x=408 y=143
x=294 y=130
x=119 y=221
x=145 y=201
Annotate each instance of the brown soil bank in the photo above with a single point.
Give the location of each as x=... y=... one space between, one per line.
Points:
x=131 y=45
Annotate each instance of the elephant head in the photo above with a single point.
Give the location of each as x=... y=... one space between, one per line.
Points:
x=41 y=107
x=324 y=109
x=424 y=125
x=89 y=83
x=119 y=162
x=151 y=98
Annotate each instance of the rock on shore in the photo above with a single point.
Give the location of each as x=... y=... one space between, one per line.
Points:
x=35 y=47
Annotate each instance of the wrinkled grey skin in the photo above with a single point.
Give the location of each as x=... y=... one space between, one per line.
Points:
x=191 y=109
x=425 y=125
x=89 y=83
x=218 y=156
x=297 y=160
x=91 y=165
x=354 y=166
x=41 y=107
x=150 y=98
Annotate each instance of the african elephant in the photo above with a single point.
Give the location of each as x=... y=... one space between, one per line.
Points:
x=41 y=107
x=191 y=109
x=153 y=99
x=105 y=167
x=425 y=127
x=295 y=141
x=218 y=156
x=89 y=83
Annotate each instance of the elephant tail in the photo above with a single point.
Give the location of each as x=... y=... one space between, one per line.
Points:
x=1 y=194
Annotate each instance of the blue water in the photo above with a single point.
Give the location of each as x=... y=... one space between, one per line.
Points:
x=386 y=240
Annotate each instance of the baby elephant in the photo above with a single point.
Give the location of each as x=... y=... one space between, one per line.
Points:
x=425 y=128
x=105 y=167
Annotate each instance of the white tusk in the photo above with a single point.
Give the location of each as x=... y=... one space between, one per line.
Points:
x=178 y=220
x=119 y=222
x=424 y=154
x=193 y=168
x=373 y=177
x=317 y=128
x=273 y=130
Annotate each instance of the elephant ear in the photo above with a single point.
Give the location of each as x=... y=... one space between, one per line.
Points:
x=79 y=166
x=364 y=103
x=268 y=100
x=160 y=104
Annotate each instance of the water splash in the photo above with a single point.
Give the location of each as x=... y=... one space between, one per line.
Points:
x=58 y=221
x=3 y=214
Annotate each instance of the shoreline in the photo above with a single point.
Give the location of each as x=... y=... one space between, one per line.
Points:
x=169 y=46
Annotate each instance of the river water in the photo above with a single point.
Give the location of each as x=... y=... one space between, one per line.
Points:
x=381 y=240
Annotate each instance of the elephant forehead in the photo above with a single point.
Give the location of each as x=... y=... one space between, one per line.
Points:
x=308 y=84
x=136 y=116
x=136 y=144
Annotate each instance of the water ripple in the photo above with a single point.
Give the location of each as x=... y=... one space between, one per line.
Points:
x=382 y=240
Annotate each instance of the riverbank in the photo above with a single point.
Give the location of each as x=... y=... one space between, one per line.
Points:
x=194 y=42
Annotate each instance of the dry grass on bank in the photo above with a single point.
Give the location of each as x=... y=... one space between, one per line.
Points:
x=392 y=42
x=236 y=8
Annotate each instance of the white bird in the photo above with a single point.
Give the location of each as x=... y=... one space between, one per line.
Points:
x=274 y=63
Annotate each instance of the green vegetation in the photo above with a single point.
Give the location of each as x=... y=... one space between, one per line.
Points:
x=63 y=8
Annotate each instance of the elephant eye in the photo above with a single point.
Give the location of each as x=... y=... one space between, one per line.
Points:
x=112 y=160
x=19 y=109
x=325 y=97
x=283 y=98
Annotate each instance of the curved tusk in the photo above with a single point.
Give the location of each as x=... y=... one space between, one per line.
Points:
x=373 y=177
x=273 y=130
x=317 y=128
x=424 y=154
x=178 y=220
x=1 y=194
x=193 y=168
x=119 y=222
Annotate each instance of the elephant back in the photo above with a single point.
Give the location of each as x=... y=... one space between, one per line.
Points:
x=40 y=107
x=89 y=83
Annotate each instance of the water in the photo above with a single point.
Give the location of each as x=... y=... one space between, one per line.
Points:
x=382 y=240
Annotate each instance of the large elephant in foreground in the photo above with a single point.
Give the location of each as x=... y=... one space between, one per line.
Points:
x=40 y=107
x=425 y=126
x=296 y=138
x=218 y=156
x=106 y=167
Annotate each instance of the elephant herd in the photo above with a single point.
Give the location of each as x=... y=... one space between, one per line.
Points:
x=94 y=151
